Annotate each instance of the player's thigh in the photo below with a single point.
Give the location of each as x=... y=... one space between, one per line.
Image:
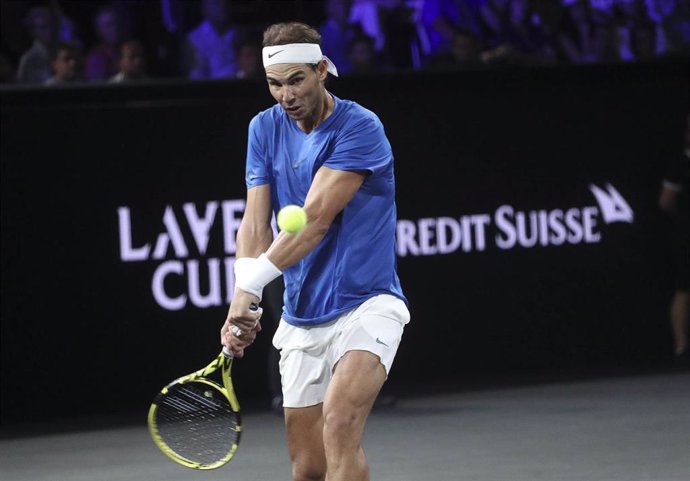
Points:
x=305 y=438
x=357 y=380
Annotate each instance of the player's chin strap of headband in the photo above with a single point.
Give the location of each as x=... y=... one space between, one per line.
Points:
x=296 y=53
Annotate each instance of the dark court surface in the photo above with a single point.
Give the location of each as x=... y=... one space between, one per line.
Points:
x=629 y=428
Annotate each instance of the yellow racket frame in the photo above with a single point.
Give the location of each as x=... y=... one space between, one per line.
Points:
x=223 y=361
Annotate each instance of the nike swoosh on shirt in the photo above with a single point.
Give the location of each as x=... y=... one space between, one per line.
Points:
x=270 y=55
x=379 y=341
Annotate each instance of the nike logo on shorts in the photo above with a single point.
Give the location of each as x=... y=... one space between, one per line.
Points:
x=270 y=55
x=379 y=341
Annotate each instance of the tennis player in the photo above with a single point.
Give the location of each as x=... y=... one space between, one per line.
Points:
x=344 y=310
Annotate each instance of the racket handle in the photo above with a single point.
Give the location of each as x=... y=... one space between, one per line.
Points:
x=227 y=352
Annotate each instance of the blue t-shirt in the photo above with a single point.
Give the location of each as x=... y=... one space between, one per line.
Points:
x=356 y=259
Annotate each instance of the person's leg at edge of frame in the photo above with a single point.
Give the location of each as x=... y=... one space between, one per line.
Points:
x=357 y=380
x=680 y=312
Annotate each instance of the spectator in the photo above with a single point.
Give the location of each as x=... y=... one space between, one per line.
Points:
x=103 y=59
x=66 y=64
x=248 y=54
x=210 y=53
x=526 y=33
x=643 y=41
x=465 y=52
x=366 y=15
x=443 y=18
x=403 y=48
x=677 y=29
x=336 y=33
x=675 y=201
x=362 y=55
x=34 y=65
x=575 y=33
x=132 y=63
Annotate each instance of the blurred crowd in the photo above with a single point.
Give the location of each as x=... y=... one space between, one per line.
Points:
x=60 y=41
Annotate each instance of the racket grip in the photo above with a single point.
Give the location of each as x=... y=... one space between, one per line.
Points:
x=227 y=353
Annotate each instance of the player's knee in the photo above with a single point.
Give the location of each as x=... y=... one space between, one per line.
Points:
x=341 y=429
x=308 y=470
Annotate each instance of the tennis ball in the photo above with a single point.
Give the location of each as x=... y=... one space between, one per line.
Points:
x=292 y=219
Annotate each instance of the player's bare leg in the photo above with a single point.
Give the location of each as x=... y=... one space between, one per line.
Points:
x=358 y=378
x=305 y=443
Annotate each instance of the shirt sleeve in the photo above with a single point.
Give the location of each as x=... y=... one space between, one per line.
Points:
x=257 y=171
x=363 y=146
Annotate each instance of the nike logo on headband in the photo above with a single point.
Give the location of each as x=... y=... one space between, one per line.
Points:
x=270 y=55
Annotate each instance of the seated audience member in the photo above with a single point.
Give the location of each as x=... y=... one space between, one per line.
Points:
x=103 y=59
x=34 y=65
x=643 y=42
x=249 y=62
x=132 y=63
x=465 y=51
x=66 y=64
x=442 y=18
x=362 y=55
x=337 y=32
x=210 y=50
x=676 y=27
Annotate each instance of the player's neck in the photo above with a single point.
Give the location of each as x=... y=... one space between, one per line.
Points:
x=320 y=115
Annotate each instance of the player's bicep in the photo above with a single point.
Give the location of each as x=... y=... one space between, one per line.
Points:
x=330 y=192
x=255 y=234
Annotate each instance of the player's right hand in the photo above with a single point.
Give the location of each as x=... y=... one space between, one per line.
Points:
x=242 y=322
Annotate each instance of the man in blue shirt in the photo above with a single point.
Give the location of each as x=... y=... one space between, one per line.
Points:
x=344 y=309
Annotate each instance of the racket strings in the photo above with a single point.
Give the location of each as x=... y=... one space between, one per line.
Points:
x=197 y=423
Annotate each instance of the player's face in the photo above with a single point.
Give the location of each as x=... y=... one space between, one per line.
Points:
x=298 y=88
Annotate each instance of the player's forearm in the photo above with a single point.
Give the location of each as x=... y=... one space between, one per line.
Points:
x=288 y=249
x=253 y=239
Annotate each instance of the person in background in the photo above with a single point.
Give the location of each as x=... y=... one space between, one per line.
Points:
x=248 y=54
x=443 y=18
x=676 y=26
x=465 y=52
x=34 y=65
x=66 y=64
x=210 y=52
x=362 y=55
x=674 y=200
x=102 y=61
x=337 y=33
x=132 y=63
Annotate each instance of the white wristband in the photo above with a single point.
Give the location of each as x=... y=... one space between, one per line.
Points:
x=252 y=275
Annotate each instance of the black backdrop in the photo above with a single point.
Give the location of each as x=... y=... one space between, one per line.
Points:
x=77 y=319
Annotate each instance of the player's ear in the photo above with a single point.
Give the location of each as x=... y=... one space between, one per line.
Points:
x=322 y=69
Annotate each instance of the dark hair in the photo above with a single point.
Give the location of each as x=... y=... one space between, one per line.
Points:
x=290 y=32
x=70 y=47
x=361 y=38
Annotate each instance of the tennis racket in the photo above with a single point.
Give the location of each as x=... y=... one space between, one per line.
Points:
x=195 y=421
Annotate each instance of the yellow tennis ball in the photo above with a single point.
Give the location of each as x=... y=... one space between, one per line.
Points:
x=292 y=219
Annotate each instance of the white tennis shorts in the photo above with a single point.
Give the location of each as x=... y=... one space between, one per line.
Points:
x=308 y=355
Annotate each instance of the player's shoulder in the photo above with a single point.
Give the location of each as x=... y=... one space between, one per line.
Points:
x=352 y=113
x=267 y=119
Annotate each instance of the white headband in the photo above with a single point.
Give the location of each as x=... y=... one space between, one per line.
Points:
x=296 y=53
